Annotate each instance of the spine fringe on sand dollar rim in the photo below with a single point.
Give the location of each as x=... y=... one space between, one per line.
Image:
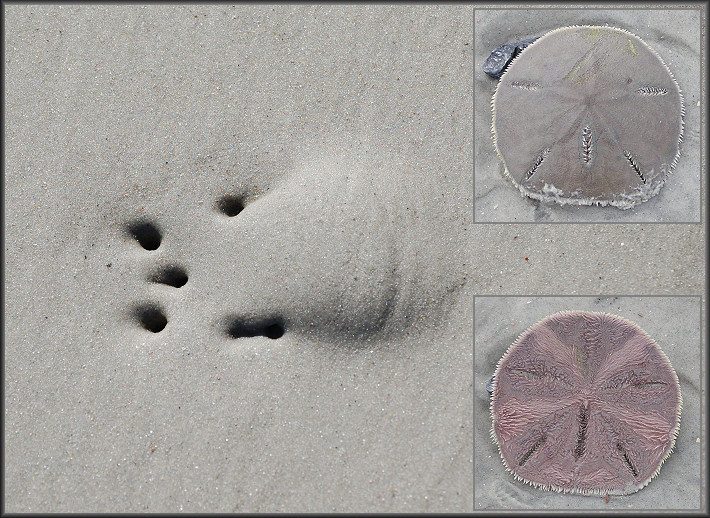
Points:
x=588 y=115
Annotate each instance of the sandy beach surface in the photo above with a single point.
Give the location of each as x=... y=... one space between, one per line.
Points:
x=244 y=248
x=345 y=133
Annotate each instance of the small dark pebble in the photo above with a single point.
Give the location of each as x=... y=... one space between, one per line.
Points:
x=501 y=57
x=489 y=385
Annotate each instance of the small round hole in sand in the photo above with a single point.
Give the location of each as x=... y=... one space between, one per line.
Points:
x=147 y=235
x=151 y=318
x=230 y=205
x=274 y=331
x=174 y=276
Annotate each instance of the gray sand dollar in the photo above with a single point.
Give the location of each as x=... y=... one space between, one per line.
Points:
x=588 y=115
x=586 y=403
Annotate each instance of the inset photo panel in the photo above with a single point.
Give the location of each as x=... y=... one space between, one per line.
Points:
x=588 y=403
x=588 y=115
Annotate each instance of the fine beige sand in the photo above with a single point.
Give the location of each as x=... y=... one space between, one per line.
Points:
x=320 y=355
x=345 y=133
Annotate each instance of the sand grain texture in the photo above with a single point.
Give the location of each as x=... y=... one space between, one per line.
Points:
x=308 y=164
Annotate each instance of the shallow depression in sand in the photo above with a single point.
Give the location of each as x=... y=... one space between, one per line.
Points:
x=335 y=250
x=319 y=253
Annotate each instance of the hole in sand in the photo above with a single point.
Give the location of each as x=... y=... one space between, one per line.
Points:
x=151 y=318
x=172 y=276
x=230 y=205
x=147 y=235
x=269 y=327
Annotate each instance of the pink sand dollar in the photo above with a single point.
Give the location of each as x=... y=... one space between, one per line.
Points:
x=587 y=403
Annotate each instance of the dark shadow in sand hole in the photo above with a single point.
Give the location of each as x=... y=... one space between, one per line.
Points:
x=151 y=318
x=230 y=205
x=174 y=276
x=147 y=234
x=272 y=327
